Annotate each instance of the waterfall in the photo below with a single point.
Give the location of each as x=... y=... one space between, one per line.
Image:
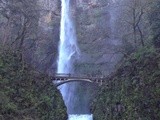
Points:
x=68 y=53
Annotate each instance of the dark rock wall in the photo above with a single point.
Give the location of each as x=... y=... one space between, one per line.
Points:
x=48 y=35
x=93 y=22
x=94 y=32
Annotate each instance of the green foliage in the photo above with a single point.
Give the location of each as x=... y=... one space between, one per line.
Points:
x=27 y=94
x=133 y=92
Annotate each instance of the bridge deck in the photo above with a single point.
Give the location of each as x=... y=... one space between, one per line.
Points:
x=64 y=78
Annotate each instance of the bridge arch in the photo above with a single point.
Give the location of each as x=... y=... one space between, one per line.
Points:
x=72 y=80
x=59 y=79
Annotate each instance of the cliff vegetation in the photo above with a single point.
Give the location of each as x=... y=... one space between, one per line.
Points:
x=26 y=93
x=133 y=92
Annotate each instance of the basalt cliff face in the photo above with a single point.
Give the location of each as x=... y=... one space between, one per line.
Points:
x=94 y=21
x=97 y=39
x=48 y=34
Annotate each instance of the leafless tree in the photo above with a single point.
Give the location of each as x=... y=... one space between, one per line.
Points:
x=133 y=16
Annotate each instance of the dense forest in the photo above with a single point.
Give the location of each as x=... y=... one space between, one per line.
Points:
x=29 y=35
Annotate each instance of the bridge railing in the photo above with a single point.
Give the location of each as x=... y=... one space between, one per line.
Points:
x=76 y=75
x=72 y=77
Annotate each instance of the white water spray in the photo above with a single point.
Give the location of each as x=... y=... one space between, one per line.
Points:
x=68 y=52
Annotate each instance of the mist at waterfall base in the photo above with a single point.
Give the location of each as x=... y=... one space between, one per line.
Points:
x=68 y=53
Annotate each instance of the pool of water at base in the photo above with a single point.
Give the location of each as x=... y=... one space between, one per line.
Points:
x=80 y=117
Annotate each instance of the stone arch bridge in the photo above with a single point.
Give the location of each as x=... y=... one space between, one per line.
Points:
x=59 y=79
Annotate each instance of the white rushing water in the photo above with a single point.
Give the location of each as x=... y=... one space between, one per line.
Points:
x=68 y=52
x=80 y=117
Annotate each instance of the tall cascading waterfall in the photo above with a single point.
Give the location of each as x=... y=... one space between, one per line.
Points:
x=68 y=52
